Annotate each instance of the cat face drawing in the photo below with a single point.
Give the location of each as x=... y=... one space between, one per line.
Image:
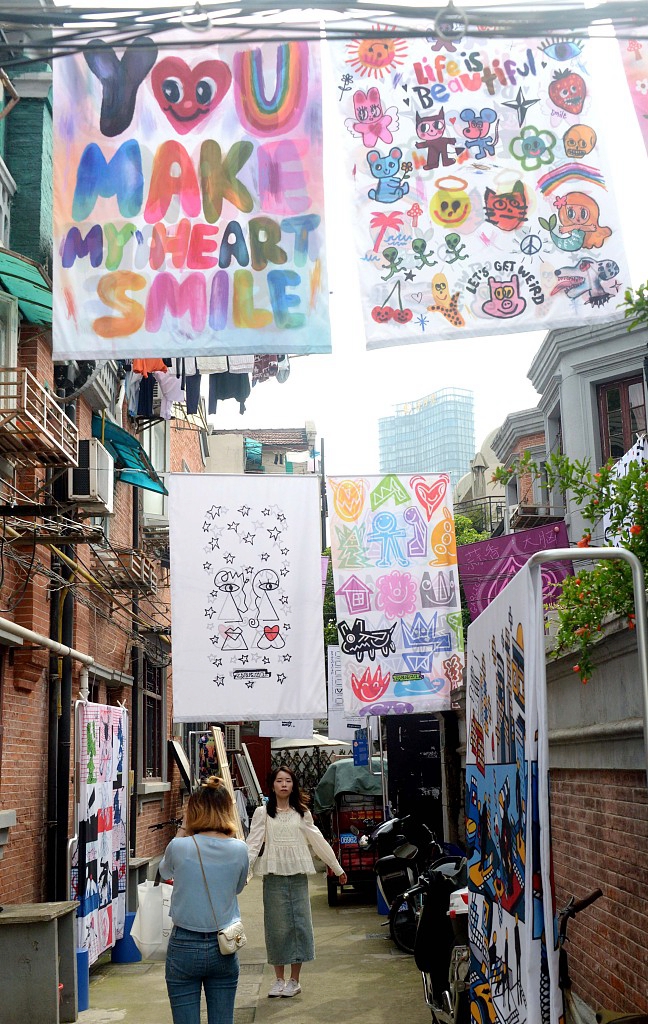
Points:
x=506 y=210
x=431 y=127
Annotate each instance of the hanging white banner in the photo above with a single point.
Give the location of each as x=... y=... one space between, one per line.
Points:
x=394 y=559
x=514 y=959
x=246 y=598
x=481 y=186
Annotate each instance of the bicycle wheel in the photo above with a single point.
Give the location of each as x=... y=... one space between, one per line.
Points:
x=403 y=922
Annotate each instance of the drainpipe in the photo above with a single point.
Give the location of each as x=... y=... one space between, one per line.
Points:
x=53 y=713
x=136 y=671
x=65 y=636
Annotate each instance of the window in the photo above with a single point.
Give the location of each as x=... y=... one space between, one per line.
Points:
x=155 y=442
x=622 y=415
x=154 y=682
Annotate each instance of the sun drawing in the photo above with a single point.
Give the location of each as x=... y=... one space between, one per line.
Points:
x=372 y=57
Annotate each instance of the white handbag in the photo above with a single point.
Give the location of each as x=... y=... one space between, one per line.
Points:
x=152 y=925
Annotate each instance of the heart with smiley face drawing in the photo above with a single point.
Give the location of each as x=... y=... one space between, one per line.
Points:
x=188 y=95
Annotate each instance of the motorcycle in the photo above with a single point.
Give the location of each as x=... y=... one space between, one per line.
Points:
x=441 y=950
x=404 y=847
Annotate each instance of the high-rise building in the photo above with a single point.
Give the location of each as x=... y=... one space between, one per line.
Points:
x=435 y=434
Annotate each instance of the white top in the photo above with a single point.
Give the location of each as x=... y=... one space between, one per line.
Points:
x=287 y=837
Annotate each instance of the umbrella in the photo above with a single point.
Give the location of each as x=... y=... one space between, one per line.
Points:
x=291 y=743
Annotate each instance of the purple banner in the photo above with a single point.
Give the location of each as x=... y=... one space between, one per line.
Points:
x=487 y=566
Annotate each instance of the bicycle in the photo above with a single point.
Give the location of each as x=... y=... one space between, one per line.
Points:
x=571 y=1012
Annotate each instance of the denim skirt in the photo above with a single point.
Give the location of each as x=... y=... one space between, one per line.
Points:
x=287 y=919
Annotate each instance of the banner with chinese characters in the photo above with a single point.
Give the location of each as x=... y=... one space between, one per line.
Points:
x=481 y=199
x=394 y=561
x=634 y=55
x=246 y=598
x=188 y=200
x=513 y=953
x=99 y=861
x=486 y=566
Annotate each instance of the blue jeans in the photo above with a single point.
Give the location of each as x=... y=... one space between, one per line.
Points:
x=194 y=960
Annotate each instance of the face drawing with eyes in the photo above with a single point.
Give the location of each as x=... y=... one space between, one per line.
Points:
x=187 y=96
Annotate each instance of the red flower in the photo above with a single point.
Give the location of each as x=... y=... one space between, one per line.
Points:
x=576 y=668
x=584 y=542
x=635 y=530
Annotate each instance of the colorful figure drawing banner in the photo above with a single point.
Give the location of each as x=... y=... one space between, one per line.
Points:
x=481 y=187
x=246 y=598
x=188 y=200
x=99 y=861
x=513 y=952
x=394 y=561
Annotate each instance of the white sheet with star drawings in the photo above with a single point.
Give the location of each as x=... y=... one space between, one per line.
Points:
x=246 y=598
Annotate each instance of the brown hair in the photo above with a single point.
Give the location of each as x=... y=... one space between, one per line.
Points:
x=211 y=809
x=297 y=799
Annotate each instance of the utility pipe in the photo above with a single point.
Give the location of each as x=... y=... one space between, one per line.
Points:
x=44 y=641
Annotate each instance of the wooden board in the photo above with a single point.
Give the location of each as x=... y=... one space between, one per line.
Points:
x=225 y=774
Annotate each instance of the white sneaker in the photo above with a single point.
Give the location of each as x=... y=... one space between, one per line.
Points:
x=278 y=988
x=291 y=988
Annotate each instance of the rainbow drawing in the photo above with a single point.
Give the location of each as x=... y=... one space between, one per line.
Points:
x=556 y=177
x=283 y=110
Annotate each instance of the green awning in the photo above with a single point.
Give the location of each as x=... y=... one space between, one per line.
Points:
x=131 y=460
x=28 y=282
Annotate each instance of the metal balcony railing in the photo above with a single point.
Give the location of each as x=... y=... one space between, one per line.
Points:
x=126 y=569
x=33 y=426
x=526 y=515
x=486 y=514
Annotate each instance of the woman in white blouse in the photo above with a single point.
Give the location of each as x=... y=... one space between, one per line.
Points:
x=278 y=842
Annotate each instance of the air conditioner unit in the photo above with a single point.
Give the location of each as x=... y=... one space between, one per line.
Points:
x=92 y=483
x=232 y=737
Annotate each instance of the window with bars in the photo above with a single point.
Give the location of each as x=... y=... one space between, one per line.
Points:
x=153 y=719
x=622 y=415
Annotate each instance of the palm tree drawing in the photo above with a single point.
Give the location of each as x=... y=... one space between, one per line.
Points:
x=384 y=222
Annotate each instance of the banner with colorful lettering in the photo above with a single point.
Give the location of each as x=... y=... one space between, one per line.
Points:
x=513 y=951
x=481 y=187
x=188 y=200
x=246 y=598
x=634 y=55
x=394 y=559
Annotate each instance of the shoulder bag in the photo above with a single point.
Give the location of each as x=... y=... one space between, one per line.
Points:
x=230 y=939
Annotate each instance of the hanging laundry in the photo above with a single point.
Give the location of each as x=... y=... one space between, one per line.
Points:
x=265 y=367
x=240 y=364
x=228 y=385
x=283 y=369
x=212 y=364
x=171 y=391
x=146 y=366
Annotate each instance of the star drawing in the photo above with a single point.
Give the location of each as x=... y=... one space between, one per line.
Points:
x=248 y=538
x=265 y=556
x=207 y=566
x=275 y=534
x=233 y=526
x=229 y=558
x=214 y=511
x=281 y=677
x=244 y=510
x=520 y=105
x=219 y=680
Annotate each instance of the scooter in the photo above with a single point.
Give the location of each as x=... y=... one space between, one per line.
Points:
x=441 y=950
x=404 y=848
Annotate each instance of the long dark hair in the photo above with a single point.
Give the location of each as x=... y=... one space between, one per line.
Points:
x=297 y=799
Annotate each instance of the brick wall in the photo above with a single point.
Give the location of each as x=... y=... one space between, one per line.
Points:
x=24 y=694
x=600 y=836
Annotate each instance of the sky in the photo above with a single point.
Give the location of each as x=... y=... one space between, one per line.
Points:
x=345 y=393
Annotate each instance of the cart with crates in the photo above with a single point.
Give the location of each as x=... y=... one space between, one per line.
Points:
x=349 y=797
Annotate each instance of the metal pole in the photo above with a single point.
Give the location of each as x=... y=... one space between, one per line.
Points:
x=323 y=503
x=639 y=588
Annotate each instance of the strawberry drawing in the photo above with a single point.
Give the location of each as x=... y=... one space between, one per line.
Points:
x=568 y=91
